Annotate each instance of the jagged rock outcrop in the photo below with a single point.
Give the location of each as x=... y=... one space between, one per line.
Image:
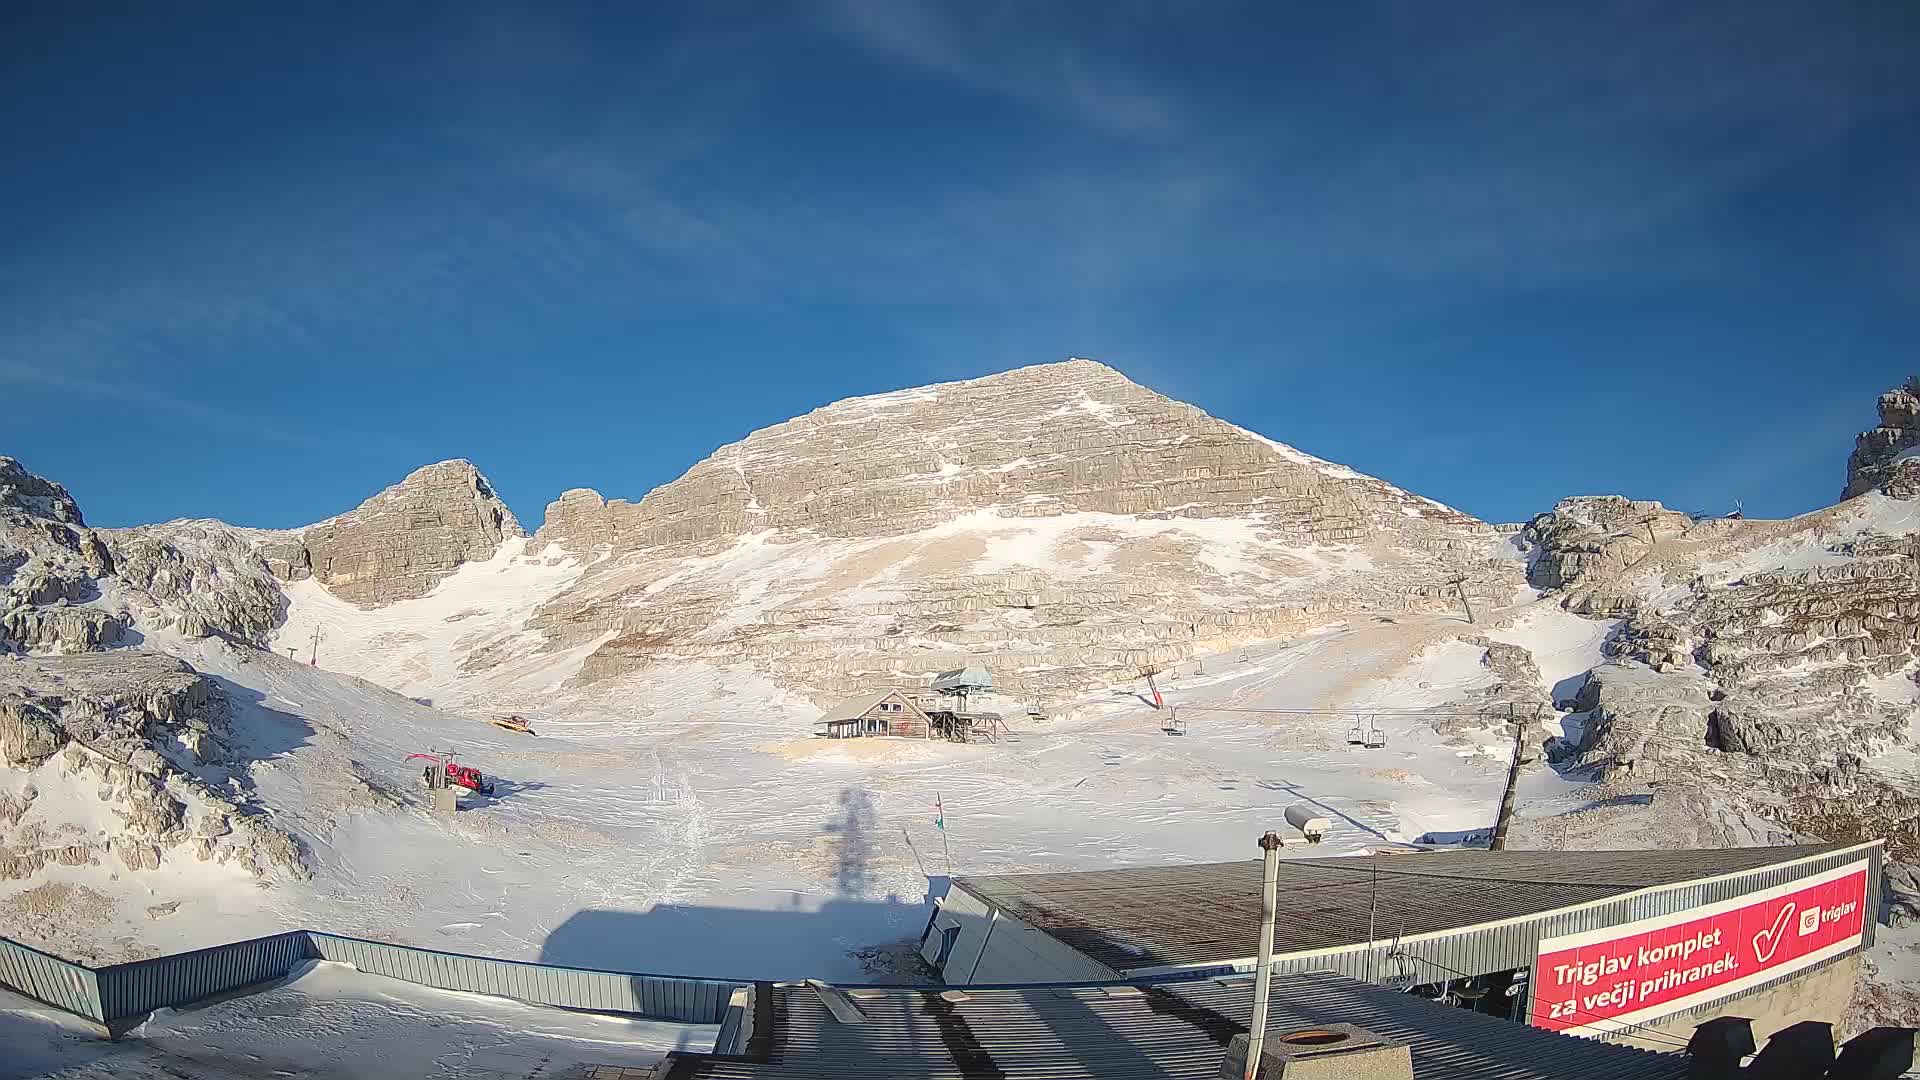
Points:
x=1899 y=893
x=198 y=577
x=1592 y=539
x=1064 y=520
x=1878 y=451
x=112 y=703
x=126 y=730
x=1775 y=659
x=1038 y=441
x=29 y=734
x=31 y=496
x=61 y=629
x=400 y=543
x=49 y=563
x=121 y=730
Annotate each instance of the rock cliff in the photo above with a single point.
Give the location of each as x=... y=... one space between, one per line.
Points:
x=1042 y=441
x=127 y=735
x=49 y=565
x=139 y=736
x=400 y=543
x=1879 y=450
x=1060 y=518
x=1772 y=662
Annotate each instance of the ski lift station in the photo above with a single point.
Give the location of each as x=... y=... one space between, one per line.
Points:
x=900 y=713
x=1628 y=946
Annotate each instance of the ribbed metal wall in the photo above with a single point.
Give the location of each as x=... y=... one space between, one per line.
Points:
x=126 y=990
x=49 y=979
x=133 y=989
x=166 y=981
x=660 y=997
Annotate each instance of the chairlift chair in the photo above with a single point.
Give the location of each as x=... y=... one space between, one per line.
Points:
x=1366 y=733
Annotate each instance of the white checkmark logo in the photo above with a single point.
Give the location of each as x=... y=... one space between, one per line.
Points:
x=1767 y=941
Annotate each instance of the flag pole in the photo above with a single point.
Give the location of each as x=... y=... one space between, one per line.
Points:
x=941 y=821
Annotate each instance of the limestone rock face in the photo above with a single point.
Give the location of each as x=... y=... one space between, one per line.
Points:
x=1876 y=451
x=1767 y=664
x=49 y=560
x=111 y=703
x=126 y=730
x=60 y=629
x=1597 y=537
x=32 y=496
x=1061 y=519
x=400 y=543
x=1039 y=441
x=201 y=578
x=65 y=588
x=28 y=734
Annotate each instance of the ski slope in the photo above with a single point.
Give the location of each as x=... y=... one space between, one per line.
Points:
x=687 y=822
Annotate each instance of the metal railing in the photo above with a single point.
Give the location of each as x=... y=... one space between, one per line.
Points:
x=659 y=997
x=138 y=988
x=112 y=995
x=46 y=978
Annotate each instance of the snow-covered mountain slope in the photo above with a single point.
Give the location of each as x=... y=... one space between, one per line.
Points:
x=1771 y=663
x=1059 y=524
x=1065 y=521
x=676 y=815
x=682 y=820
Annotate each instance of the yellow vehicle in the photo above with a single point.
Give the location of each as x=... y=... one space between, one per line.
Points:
x=513 y=723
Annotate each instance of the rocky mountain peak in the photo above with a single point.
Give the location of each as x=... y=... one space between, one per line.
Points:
x=400 y=543
x=1879 y=453
x=1061 y=517
x=35 y=496
x=1040 y=441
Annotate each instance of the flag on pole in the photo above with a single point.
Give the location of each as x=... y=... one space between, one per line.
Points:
x=939 y=814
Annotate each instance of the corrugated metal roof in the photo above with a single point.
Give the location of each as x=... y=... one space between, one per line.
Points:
x=1147 y=917
x=1178 y=1030
x=972 y=677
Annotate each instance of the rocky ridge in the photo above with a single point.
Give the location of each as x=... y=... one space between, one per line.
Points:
x=1771 y=661
x=141 y=735
x=400 y=543
x=1060 y=518
x=1077 y=528
x=1880 y=452
x=134 y=734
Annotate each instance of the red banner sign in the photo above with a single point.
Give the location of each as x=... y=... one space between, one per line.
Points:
x=1606 y=979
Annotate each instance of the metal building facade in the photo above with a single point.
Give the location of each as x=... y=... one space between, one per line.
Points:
x=138 y=988
x=47 y=978
x=112 y=995
x=659 y=997
x=1505 y=945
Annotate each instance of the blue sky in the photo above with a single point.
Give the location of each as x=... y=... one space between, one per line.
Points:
x=259 y=264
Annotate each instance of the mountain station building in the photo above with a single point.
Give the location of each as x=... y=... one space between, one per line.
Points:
x=1632 y=946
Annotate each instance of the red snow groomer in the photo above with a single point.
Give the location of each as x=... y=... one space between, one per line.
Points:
x=443 y=771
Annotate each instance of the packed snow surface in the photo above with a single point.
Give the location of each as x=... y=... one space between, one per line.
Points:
x=687 y=822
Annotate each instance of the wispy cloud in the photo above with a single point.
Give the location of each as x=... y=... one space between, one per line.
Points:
x=166 y=408
x=1402 y=150
x=1007 y=50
